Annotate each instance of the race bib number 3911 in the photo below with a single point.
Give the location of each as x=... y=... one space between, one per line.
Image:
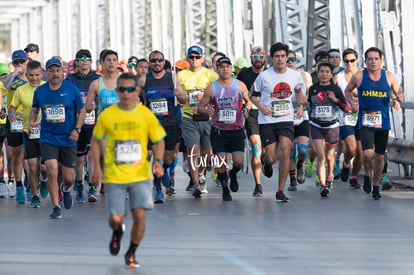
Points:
x=128 y=152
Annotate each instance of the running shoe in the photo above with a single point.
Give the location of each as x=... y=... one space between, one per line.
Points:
x=301 y=173
x=375 y=193
x=35 y=202
x=56 y=213
x=203 y=183
x=159 y=196
x=79 y=195
x=345 y=174
x=257 y=191
x=11 y=189
x=3 y=189
x=92 y=196
x=267 y=170
x=197 y=192
x=292 y=185
x=130 y=261
x=115 y=244
x=20 y=197
x=234 y=185
x=324 y=191
x=386 y=183
x=310 y=166
x=329 y=184
x=281 y=197
x=67 y=197
x=353 y=182
x=226 y=193
x=44 y=191
x=170 y=191
x=367 y=185
x=29 y=194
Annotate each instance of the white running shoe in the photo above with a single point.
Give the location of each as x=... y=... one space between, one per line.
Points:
x=3 y=190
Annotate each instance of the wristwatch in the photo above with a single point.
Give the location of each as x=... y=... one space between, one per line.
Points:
x=161 y=161
x=78 y=130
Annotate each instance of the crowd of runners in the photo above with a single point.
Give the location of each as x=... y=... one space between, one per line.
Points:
x=118 y=130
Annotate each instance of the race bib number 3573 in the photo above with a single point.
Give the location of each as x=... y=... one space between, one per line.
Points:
x=128 y=152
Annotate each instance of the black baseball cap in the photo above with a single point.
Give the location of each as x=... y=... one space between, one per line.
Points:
x=32 y=48
x=83 y=52
x=222 y=60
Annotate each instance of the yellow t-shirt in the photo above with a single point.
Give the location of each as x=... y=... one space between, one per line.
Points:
x=4 y=94
x=22 y=100
x=192 y=84
x=126 y=134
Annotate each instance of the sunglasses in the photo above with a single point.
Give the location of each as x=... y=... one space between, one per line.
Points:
x=195 y=56
x=153 y=60
x=84 y=58
x=258 y=56
x=19 y=61
x=129 y=89
x=132 y=65
x=349 y=60
x=291 y=59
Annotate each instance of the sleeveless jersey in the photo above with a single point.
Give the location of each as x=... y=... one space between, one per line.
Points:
x=227 y=103
x=347 y=119
x=106 y=97
x=159 y=95
x=374 y=102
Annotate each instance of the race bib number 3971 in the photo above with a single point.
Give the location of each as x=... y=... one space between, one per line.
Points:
x=372 y=119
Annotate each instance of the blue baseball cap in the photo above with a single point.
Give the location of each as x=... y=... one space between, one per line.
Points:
x=195 y=49
x=19 y=55
x=53 y=61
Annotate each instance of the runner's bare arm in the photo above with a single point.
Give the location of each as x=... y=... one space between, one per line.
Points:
x=353 y=84
x=158 y=151
x=178 y=91
x=205 y=100
x=34 y=113
x=97 y=175
x=92 y=94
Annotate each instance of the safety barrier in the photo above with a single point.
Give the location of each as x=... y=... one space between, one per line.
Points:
x=401 y=151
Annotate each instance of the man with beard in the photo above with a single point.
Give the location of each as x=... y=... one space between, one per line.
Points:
x=248 y=76
x=160 y=90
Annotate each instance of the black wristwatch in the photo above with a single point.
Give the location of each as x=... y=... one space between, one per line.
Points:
x=78 y=130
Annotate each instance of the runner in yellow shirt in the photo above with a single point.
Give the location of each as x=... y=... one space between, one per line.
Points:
x=126 y=127
x=22 y=100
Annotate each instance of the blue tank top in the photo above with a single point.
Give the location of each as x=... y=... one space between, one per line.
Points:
x=106 y=97
x=159 y=97
x=374 y=102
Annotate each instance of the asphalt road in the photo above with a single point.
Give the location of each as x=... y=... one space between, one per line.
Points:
x=348 y=233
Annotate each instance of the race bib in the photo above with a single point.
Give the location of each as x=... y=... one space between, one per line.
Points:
x=280 y=108
x=350 y=119
x=128 y=152
x=16 y=126
x=323 y=111
x=35 y=132
x=227 y=114
x=159 y=106
x=372 y=119
x=192 y=97
x=55 y=113
x=89 y=118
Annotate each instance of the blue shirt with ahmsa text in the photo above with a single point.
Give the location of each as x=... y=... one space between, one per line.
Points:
x=59 y=112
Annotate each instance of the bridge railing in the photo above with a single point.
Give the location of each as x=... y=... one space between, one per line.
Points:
x=400 y=150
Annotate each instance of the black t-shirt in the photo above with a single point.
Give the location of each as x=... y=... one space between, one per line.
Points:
x=248 y=77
